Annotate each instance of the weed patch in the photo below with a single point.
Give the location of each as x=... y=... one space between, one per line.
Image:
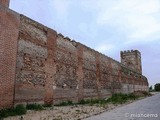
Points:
x=18 y=110
x=34 y=107
x=65 y=103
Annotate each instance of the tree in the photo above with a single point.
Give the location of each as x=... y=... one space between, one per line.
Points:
x=157 y=87
x=150 y=88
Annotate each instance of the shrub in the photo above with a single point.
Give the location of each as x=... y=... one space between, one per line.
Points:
x=47 y=105
x=157 y=87
x=7 y=112
x=65 y=103
x=88 y=101
x=93 y=101
x=102 y=101
x=145 y=93
x=82 y=102
x=34 y=107
x=118 y=98
x=132 y=96
x=70 y=102
x=140 y=93
x=150 y=88
x=18 y=110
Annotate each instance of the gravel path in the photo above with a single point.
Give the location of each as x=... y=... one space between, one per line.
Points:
x=145 y=109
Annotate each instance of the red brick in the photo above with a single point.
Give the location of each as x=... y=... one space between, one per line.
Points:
x=5 y=3
x=9 y=22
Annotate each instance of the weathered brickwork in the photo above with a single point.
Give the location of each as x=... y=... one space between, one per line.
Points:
x=9 y=24
x=31 y=60
x=132 y=59
x=39 y=65
x=5 y=3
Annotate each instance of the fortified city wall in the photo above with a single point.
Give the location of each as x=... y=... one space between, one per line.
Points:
x=38 y=65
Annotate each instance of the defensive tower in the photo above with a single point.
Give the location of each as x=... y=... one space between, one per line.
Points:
x=132 y=59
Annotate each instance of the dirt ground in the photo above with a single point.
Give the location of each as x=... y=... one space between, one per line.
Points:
x=75 y=112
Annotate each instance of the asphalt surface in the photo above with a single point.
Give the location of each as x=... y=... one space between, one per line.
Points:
x=145 y=109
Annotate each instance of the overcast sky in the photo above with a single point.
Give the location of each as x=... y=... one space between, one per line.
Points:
x=108 y=26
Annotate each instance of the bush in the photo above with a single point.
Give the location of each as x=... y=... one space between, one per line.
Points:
x=146 y=93
x=89 y=101
x=34 y=107
x=47 y=105
x=70 y=102
x=118 y=98
x=65 y=103
x=82 y=102
x=140 y=93
x=157 y=87
x=18 y=110
x=150 y=88
x=132 y=96
x=93 y=101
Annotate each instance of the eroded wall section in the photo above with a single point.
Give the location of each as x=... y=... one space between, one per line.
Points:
x=52 y=68
x=31 y=60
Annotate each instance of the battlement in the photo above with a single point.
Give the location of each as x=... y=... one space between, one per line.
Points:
x=130 y=51
x=132 y=59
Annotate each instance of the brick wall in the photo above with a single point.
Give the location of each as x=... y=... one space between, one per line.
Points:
x=32 y=54
x=9 y=25
x=4 y=3
x=51 y=68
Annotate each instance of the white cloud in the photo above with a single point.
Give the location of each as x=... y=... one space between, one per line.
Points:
x=112 y=23
x=135 y=18
x=104 y=47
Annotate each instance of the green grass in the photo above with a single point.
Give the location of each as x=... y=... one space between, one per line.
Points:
x=120 y=98
x=117 y=98
x=82 y=102
x=92 y=101
x=132 y=96
x=18 y=110
x=21 y=109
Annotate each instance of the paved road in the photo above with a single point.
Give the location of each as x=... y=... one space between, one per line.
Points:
x=145 y=109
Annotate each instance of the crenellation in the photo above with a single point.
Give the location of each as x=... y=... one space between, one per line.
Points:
x=25 y=19
x=74 y=43
x=60 y=35
x=67 y=38
x=132 y=59
x=129 y=51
